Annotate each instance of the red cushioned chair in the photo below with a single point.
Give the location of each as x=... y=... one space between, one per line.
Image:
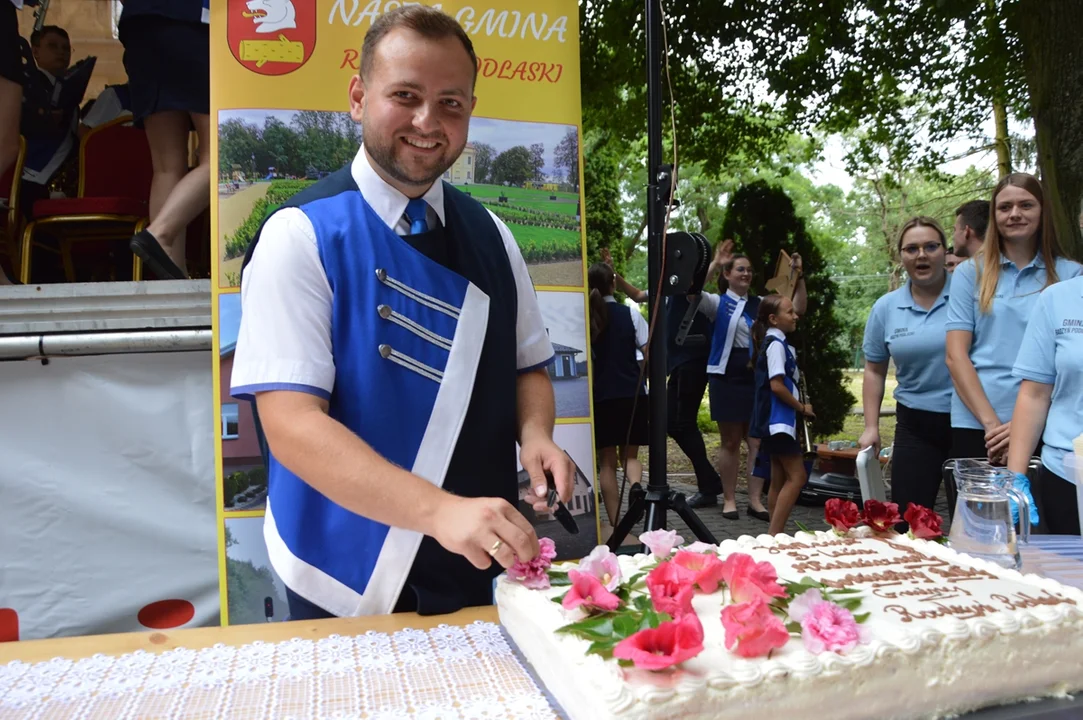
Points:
x=11 y=221
x=114 y=193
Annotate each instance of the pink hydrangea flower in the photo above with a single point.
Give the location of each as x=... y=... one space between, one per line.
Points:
x=534 y=574
x=661 y=542
x=602 y=564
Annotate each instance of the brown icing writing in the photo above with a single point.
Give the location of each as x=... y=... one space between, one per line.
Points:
x=933 y=594
x=1022 y=601
x=957 y=572
x=776 y=549
x=848 y=552
x=906 y=561
x=879 y=579
x=963 y=612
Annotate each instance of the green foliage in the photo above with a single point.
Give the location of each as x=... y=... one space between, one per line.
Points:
x=567 y=156
x=279 y=192
x=514 y=165
x=322 y=141
x=483 y=192
x=762 y=220
x=246 y=586
x=239 y=480
x=539 y=245
x=529 y=216
x=484 y=154
x=605 y=224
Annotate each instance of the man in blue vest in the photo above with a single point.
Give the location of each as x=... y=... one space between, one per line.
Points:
x=393 y=343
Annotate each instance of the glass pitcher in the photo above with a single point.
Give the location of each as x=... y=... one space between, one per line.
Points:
x=983 y=526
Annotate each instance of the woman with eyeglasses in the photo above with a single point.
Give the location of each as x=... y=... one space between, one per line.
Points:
x=907 y=326
x=994 y=294
x=731 y=374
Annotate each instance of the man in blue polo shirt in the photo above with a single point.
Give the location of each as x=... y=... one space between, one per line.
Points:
x=1050 y=366
x=393 y=343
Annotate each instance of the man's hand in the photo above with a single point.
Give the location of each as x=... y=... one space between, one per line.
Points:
x=472 y=527
x=541 y=454
x=795 y=263
x=606 y=257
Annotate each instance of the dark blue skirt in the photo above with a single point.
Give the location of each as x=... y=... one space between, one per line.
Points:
x=732 y=394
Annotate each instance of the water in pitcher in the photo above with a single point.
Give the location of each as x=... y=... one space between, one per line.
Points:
x=983 y=528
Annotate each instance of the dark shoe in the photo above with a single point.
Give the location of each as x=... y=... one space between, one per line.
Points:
x=147 y=247
x=731 y=515
x=759 y=514
x=700 y=500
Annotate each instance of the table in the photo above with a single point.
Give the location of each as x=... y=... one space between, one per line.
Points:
x=75 y=648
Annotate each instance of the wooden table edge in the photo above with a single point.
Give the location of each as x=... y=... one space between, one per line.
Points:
x=157 y=641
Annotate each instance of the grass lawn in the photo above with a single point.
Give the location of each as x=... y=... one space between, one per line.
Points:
x=853 y=379
x=531 y=235
x=563 y=208
x=514 y=194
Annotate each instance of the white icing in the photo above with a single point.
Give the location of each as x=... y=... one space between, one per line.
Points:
x=924 y=667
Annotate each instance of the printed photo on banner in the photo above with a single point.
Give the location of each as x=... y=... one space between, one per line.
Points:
x=527 y=174
x=577 y=441
x=244 y=479
x=255 y=594
x=565 y=321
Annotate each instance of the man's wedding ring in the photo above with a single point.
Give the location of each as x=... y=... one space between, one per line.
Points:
x=496 y=546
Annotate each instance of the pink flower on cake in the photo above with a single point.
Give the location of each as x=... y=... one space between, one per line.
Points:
x=706 y=569
x=700 y=547
x=842 y=514
x=664 y=646
x=589 y=593
x=752 y=629
x=661 y=542
x=533 y=574
x=924 y=523
x=602 y=564
x=825 y=626
x=749 y=580
x=671 y=588
x=881 y=517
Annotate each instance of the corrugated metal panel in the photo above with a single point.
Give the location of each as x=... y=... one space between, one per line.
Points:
x=104 y=307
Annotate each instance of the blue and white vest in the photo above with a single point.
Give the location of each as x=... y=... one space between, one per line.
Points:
x=425 y=361
x=769 y=414
x=730 y=312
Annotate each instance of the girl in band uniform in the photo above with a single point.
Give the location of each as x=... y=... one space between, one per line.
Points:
x=777 y=404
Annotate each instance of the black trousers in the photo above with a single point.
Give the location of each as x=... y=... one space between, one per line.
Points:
x=922 y=444
x=684 y=393
x=1059 y=505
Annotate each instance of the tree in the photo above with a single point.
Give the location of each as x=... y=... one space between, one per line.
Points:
x=513 y=166
x=483 y=161
x=762 y=220
x=237 y=143
x=537 y=161
x=911 y=75
x=605 y=226
x=567 y=157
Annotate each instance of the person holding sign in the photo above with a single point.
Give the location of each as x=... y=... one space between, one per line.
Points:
x=393 y=344
x=1050 y=368
x=732 y=374
x=907 y=326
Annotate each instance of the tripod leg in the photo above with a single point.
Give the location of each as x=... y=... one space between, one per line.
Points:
x=635 y=512
x=678 y=503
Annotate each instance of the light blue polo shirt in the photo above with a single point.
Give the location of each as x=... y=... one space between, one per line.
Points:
x=1052 y=353
x=998 y=334
x=899 y=328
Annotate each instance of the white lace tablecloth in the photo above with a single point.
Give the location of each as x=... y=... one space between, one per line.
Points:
x=443 y=673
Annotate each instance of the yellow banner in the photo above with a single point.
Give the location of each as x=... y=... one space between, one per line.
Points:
x=280 y=71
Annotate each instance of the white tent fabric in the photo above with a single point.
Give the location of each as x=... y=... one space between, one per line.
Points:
x=107 y=491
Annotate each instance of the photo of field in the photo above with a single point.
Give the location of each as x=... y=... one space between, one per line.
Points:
x=527 y=174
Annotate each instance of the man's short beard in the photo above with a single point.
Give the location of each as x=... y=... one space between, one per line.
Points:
x=384 y=156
